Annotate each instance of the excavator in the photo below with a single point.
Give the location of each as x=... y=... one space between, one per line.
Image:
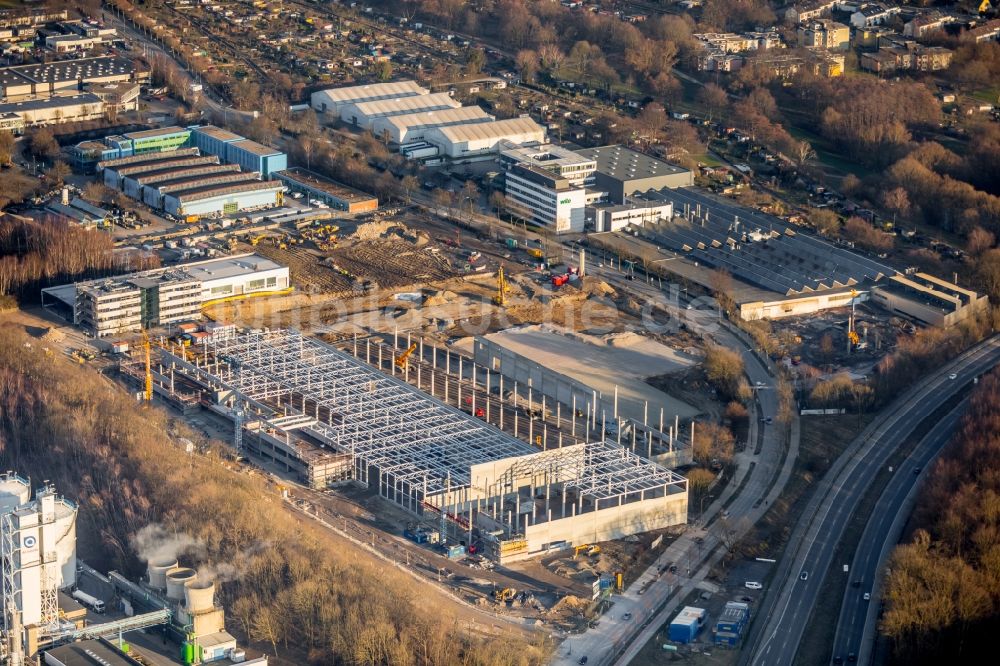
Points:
x=586 y=548
x=506 y=594
x=500 y=298
x=402 y=359
x=984 y=7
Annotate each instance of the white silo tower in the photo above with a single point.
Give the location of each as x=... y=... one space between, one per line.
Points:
x=38 y=543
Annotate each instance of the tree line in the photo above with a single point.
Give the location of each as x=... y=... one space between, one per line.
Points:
x=943 y=587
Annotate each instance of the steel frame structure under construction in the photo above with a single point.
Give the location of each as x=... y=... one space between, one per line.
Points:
x=428 y=455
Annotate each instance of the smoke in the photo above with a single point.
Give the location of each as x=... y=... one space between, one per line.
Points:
x=155 y=542
x=223 y=572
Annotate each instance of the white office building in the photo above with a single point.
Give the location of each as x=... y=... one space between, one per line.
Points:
x=131 y=303
x=544 y=198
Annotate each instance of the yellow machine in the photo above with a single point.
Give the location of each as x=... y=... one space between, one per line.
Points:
x=500 y=298
x=584 y=547
x=506 y=594
x=148 y=388
x=254 y=240
x=985 y=6
x=852 y=334
x=402 y=359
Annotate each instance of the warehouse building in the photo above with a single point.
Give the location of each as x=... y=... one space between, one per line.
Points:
x=235 y=149
x=364 y=114
x=43 y=79
x=253 y=156
x=114 y=163
x=411 y=127
x=155 y=188
x=212 y=140
x=88 y=155
x=927 y=299
x=330 y=102
x=54 y=110
x=472 y=481
x=114 y=176
x=208 y=200
x=133 y=184
x=117 y=97
x=622 y=172
x=336 y=194
x=130 y=303
x=478 y=139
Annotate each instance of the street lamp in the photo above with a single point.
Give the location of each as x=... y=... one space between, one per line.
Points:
x=701 y=505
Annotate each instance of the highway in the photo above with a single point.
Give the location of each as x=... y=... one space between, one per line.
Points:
x=858 y=616
x=654 y=595
x=775 y=635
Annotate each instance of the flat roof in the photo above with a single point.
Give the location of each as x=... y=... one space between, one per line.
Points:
x=625 y=164
x=209 y=191
x=496 y=129
x=323 y=184
x=37 y=104
x=159 y=131
x=68 y=70
x=90 y=653
x=216 y=133
x=255 y=148
x=545 y=154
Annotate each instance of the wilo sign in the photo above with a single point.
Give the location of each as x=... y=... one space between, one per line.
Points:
x=565 y=201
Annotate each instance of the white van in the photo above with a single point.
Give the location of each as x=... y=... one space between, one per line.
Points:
x=752 y=585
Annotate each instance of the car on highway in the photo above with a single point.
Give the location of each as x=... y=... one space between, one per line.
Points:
x=838 y=659
x=868 y=596
x=627 y=616
x=753 y=585
x=759 y=384
x=583 y=660
x=851 y=658
x=804 y=575
x=953 y=376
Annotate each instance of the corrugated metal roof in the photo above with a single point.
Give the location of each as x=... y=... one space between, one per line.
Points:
x=440 y=117
x=370 y=91
x=201 y=193
x=494 y=130
x=402 y=105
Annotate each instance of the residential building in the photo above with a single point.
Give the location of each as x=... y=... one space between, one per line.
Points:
x=824 y=34
x=989 y=31
x=22 y=16
x=871 y=15
x=807 y=11
x=924 y=24
x=820 y=63
x=904 y=55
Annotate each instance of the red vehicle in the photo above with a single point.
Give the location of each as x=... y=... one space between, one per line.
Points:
x=560 y=280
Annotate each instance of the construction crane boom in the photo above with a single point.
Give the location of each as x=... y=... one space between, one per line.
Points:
x=402 y=359
x=148 y=388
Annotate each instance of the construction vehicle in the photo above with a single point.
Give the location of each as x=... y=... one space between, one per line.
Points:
x=402 y=359
x=147 y=393
x=500 y=298
x=594 y=550
x=504 y=595
x=535 y=253
x=560 y=280
x=985 y=7
x=255 y=239
x=582 y=548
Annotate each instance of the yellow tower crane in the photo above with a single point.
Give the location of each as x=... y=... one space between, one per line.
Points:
x=500 y=298
x=148 y=388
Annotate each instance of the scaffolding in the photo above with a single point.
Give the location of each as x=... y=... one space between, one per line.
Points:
x=422 y=453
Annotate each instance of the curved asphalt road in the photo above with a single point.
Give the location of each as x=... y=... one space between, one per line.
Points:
x=775 y=636
x=858 y=616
